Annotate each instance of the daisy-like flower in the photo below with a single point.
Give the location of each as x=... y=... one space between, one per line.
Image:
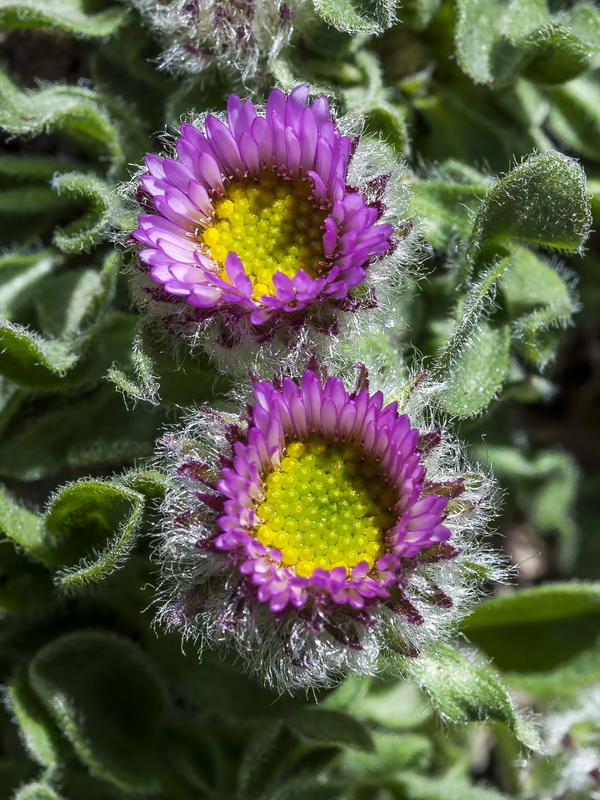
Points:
x=254 y=219
x=312 y=534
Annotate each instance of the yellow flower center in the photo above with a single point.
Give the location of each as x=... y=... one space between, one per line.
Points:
x=327 y=506
x=272 y=226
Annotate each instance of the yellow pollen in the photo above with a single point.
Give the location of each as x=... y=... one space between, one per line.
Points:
x=327 y=506
x=272 y=225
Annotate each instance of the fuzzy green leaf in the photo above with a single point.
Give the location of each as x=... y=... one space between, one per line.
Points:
x=37 y=791
x=421 y=787
x=537 y=629
x=537 y=298
x=446 y=210
x=23 y=584
x=542 y=201
x=93 y=227
x=23 y=527
x=34 y=362
x=574 y=115
x=331 y=728
x=471 y=342
x=478 y=40
x=110 y=515
x=478 y=372
x=41 y=737
x=77 y=112
x=556 y=54
x=496 y=42
x=91 y=431
x=118 y=741
x=68 y=303
x=465 y=692
x=72 y=16
x=23 y=352
x=19 y=273
x=357 y=16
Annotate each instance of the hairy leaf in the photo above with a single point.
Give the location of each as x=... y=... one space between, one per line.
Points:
x=330 y=727
x=72 y=16
x=537 y=629
x=119 y=740
x=40 y=734
x=37 y=791
x=77 y=112
x=542 y=201
x=109 y=513
x=93 y=227
x=465 y=692
x=357 y=16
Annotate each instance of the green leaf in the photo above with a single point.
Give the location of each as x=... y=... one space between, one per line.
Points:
x=469 y=342
x=357 y=16
x=109 y=513
x=393 y=752
x=537 y=297
x=68 y=303
x=543 y=201
x=93 y=227
x=77 y=112
x=105 y=696
x=72 y=16
x=384 y=119
x=478 y=373
x=91 y=431
x=34 y=362
x=395 y=705
x=496 y=42
x=330 y=727
x=36 y=791
x=478 y=40
x=23 y=352
x=538 y=629
x=566 y=682
x=446 y=210
x=421 y=787
x=40 y=735
x=574 y=115
x=23 y=584
x=464 y=692
x=19 y=273
x=23 y=527
x=555 y=55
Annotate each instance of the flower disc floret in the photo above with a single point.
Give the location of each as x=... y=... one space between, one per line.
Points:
x=255 y=212
x=325 y=496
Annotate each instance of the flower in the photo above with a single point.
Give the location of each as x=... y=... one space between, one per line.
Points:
x=313 y=535
x=239 y=39
x=254 y=219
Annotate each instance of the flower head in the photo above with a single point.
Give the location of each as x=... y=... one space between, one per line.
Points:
x=254 y=220
x=236 y=38
x=317 y=531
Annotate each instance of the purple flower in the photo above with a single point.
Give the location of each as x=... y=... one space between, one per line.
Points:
x=254 y=218
x=354 y=470
x=312 y=526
